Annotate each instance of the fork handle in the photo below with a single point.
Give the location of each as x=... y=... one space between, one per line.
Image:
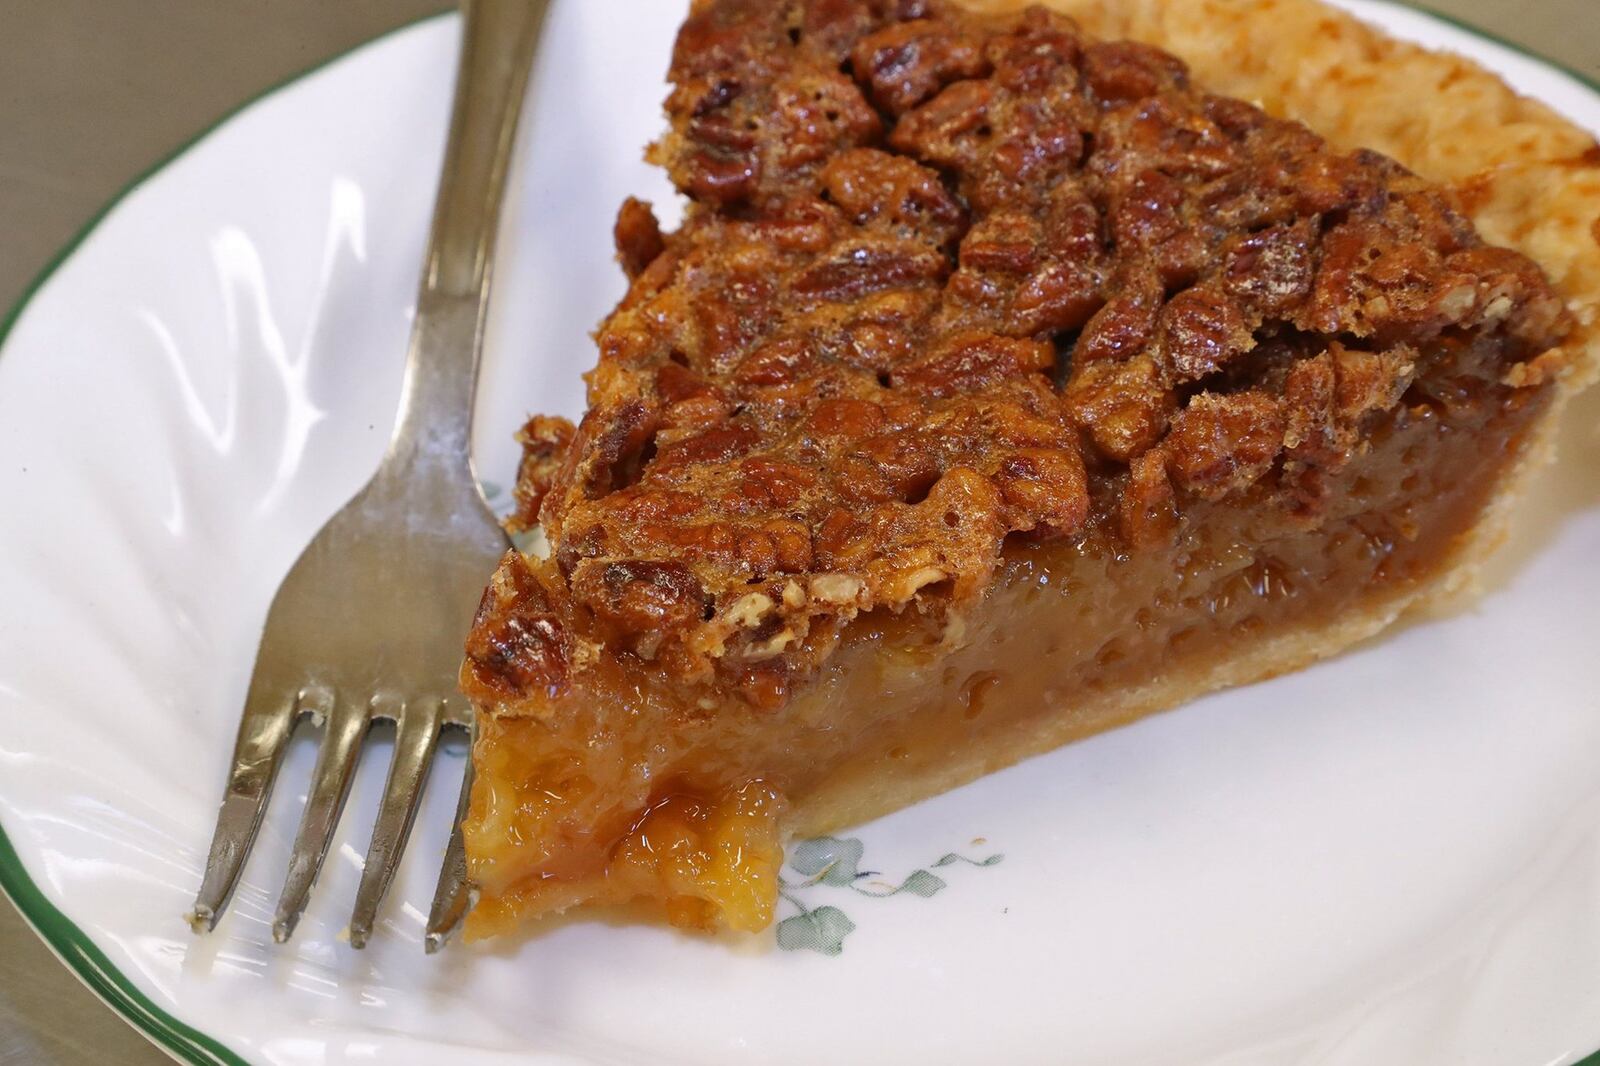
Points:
x=498 y=39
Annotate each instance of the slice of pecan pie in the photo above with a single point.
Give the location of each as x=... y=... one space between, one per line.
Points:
x=1001 y=385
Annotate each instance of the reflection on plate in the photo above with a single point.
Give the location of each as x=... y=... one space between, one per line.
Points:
x=1392 y=857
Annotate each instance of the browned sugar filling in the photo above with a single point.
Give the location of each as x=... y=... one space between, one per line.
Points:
x=628 y=792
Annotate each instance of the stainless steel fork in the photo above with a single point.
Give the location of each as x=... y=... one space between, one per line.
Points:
x=369 y=623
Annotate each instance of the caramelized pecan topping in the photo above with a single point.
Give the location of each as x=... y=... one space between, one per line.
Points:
x=946 y=279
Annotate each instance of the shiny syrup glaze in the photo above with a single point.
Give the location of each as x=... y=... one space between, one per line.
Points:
x=998 y=380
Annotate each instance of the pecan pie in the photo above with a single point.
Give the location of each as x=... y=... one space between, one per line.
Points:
x=1002 y=383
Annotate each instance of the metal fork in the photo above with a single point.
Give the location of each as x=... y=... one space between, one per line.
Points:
x=369 y=623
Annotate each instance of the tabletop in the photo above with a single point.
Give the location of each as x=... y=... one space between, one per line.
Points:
x=94 y=91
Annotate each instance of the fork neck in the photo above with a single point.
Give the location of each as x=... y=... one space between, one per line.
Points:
x=498 y=40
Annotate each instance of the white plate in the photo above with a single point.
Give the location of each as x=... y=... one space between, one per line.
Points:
x=1391 y=858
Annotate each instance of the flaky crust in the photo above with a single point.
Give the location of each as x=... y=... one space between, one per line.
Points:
x=1529 y=178
x=709 y=448
x=1531 y=181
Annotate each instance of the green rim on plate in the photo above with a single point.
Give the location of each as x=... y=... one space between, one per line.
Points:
x=70 y=943
x=74 y=948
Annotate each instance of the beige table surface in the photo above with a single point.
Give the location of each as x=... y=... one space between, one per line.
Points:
x=94 y=91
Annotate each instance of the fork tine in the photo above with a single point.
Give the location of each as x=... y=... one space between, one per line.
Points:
x=416 y=735
x=453 y=897
x=264 y=731
x=330 y=785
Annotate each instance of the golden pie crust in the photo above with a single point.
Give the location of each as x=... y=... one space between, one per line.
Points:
x=904 y=462
x=1527 y=177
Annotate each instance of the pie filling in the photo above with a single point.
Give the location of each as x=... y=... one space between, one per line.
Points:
x=1000 y=386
